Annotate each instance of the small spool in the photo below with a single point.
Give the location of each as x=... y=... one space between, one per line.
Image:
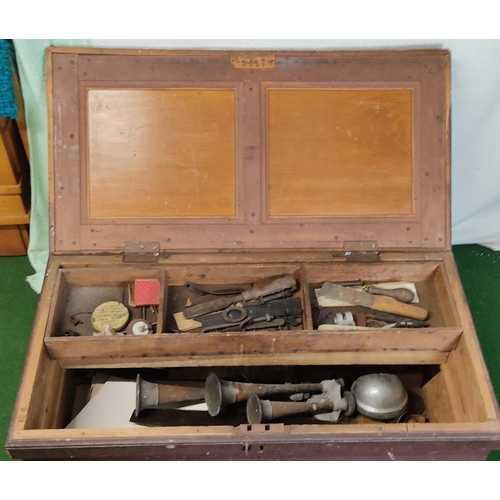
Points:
x=138 y=327
x=113 y=313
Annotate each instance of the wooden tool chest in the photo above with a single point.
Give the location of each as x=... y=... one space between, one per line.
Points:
x=231 y=170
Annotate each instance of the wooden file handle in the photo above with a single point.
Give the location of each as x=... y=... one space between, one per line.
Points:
x=390 y=305
x=401 y=294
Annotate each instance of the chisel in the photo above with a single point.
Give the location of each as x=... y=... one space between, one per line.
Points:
x=376 y=302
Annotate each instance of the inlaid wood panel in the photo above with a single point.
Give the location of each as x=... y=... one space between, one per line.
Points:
x=340 y=152
x=161 y=153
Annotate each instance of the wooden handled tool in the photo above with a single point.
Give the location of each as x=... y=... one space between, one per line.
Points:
x=401 y=294
x=278 y=285
x=379 y=303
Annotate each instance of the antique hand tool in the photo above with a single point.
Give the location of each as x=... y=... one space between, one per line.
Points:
x=377 y=302
x=227 y=327
x=401 y=321
x=233 y=317
x=198 y=290
x=247 y=325
x=401 y=294
x=254 y=293
x=220 y=393
x=151 y=395
x=280 y=295
x=290 y=309
x=262 y=325
x=328 y=406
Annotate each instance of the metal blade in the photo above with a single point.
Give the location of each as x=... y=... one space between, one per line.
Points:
x=345 y=294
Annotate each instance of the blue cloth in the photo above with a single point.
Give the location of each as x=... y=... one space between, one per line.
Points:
x=8 y=106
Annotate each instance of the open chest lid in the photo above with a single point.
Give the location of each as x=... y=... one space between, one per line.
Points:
x=247 y=151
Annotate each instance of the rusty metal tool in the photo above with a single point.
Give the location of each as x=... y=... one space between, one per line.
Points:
x=198 y=290
x=226 y=327
x=376 y=302
x=278 y=285
x=220 y=393
x=401 y=321
x=329 y=406
x=262 y=325
x=153 y=395
x=234 y=316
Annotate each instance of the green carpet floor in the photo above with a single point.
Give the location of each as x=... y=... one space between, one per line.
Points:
x=479 y=270
x=17 y=311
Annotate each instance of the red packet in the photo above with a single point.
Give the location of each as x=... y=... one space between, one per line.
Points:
x=147 y=292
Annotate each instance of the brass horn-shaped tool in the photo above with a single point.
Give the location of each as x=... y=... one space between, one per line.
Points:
x=220 y=393
x=328 y=406
x=152 y=395
x=262 y=410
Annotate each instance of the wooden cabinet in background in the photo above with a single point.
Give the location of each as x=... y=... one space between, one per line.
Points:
x=14 y=190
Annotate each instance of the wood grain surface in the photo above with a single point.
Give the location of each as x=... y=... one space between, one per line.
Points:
x=340 y=152
x=161 y=153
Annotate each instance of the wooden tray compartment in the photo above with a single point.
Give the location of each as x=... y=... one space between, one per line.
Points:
x=234 y=276
x=107 y=351
x=451 y=408
x=79 y=291
x=430 y=279
x=302 y=345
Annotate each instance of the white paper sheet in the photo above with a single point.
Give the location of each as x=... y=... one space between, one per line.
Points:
x=111 y=407
x=112 y=404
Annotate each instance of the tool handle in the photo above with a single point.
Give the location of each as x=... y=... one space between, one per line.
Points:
x=401 y=294
x=275 y=286
x=390 y=305
x=212 y=306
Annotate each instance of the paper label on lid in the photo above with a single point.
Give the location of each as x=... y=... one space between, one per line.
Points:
x=113 y=313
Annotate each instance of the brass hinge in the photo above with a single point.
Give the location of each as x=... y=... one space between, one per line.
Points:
x=359 y=251
x=141 y=251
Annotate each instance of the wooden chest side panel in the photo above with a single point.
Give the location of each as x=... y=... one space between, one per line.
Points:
x=466 y=368
x=410 y=444
x=32 y=397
